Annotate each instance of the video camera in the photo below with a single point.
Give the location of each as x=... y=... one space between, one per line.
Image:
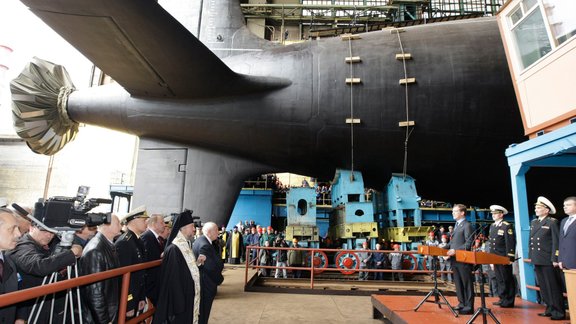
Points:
x=71 y=213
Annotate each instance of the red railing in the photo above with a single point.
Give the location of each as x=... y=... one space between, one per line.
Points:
x=27 y=294
x=314 y=271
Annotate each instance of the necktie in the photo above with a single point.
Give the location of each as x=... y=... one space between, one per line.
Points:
x=567 y=224
x=162 y=241
x=2 y=270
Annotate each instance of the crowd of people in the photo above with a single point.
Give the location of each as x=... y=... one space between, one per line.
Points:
x=182 y=289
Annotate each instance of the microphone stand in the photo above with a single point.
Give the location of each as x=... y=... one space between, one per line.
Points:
x=437 y=293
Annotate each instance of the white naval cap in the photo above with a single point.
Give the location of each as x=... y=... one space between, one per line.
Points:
x=494 y=209
x=543 y=201
x=139 y=212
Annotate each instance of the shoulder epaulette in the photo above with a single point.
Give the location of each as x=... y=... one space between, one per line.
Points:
x=505 y=223
x=126 y=236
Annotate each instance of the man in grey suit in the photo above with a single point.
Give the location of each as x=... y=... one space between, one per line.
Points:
x=463 y=277
x=210 y=270
x=567 y=237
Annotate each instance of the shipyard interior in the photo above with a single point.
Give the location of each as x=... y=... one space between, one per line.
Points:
x=327 y=161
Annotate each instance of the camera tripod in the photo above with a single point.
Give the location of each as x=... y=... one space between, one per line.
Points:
x=72 y=300
x=437 y=293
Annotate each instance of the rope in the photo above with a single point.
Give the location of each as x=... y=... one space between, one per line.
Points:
x=62 y=104
x=408 y=130
x=351 y=106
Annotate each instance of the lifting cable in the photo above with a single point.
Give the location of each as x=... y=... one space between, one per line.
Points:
x=408 y=130
x=351 y=107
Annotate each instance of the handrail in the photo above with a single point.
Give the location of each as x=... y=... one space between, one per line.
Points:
x=30 y=293
x=254 y=264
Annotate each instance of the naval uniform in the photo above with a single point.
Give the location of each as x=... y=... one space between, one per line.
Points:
x=543 y=252
x=503 y=242
x=131 y=251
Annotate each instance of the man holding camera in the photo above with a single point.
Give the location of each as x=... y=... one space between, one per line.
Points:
x=36 y=262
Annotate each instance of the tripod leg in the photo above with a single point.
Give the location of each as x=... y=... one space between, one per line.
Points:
x=424 y=300
x=448 y=304
x=476 y=313
x=493 y=317
x=80 y=318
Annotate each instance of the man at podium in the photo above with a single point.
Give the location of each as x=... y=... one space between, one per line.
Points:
x=503 y=242
x=463 y=277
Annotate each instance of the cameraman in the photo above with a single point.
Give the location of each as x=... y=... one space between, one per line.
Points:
x=35 y=260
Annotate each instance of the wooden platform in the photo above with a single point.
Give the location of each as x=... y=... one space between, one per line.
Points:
x=400 y=310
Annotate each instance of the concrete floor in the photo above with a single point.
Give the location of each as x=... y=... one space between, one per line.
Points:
x=233 y=305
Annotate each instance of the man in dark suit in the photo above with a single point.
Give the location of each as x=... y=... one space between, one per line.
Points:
x=210 y=270
x=567 y=241
x=544 y=255
x=154 y=246
x=131 y=251
x=503 y=242
x=9 y=235
x=463 y=277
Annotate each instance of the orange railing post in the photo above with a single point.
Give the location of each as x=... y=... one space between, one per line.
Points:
x=312 y=269
x=123 y=297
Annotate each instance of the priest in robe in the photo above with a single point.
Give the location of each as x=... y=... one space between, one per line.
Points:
x=235 y=246
x=179 y=283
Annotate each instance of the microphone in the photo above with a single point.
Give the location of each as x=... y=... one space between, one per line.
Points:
x=20 y=210
x=473 y=235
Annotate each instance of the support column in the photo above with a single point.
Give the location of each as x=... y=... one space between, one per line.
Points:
x=522 y=228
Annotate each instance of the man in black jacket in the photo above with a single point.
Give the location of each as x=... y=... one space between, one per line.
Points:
x=9 y=235
x=35 y=261
x=210 y=270
x=543 y=252
x=463 y=277
x=154 y=246
x=131 y=251
x=100 y=299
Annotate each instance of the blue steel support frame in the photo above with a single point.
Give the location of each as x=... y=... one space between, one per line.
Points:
x=555 y=149
x=522 y=227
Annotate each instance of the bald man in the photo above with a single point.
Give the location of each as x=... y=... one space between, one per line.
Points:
x=9 y=235
x=210 y=270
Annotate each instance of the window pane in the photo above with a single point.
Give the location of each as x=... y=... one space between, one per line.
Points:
x=531 y=39
x=529 y=4
x=561 y=18
x=516 y=15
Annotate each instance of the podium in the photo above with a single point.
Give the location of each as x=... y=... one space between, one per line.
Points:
x=480 y=258
x=434 y=251
x=570 y=276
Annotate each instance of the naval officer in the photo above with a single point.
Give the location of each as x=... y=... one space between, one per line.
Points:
x=503 y=242
x=131 y=251
x=544 y=255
